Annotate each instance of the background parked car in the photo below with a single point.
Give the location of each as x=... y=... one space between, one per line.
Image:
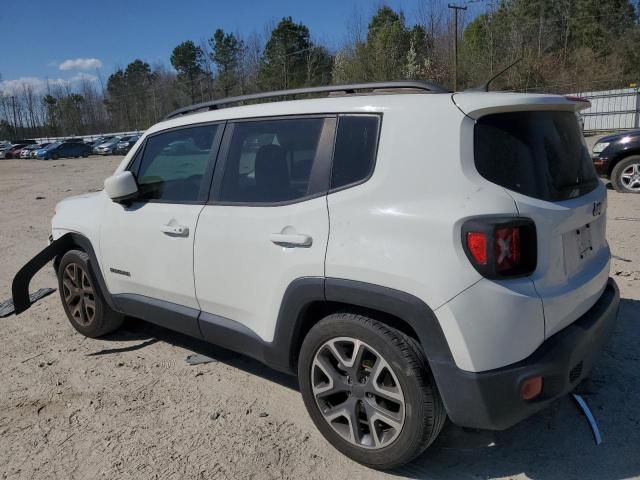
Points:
x=109 y=146
x=29 y=150
x=617 y=157
x=124 y=145
x=4 y=149
x=99 y=141
x=14 y=151
x=40 y=146
x=63 y=150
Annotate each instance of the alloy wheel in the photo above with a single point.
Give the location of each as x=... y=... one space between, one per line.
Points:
x=358 y=393
x=630 y=177
x=79 y=294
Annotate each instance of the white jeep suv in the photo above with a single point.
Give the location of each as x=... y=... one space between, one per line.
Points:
x=410 y=253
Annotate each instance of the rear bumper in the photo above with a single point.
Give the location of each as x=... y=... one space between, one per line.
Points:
x=491 y=400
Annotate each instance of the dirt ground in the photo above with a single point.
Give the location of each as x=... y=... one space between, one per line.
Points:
x=128 y=406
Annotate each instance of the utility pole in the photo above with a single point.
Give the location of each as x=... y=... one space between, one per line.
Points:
x=456 y=9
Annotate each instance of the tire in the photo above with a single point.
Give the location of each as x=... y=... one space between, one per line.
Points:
x=79 y=295
x=55 y=156
x=403 y=368
x=625 y=176
x=85 y=155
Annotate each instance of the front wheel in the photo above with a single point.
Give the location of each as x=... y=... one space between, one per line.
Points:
x=55 y=156
x=369 y=390
x=83 y=302
x=625 y=176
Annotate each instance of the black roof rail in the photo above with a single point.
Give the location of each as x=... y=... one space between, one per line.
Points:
x=349 y=89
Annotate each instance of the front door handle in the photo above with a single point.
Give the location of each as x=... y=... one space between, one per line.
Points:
x=175 y=230
x=290 y=240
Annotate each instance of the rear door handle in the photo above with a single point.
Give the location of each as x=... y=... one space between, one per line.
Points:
x=290 y=240
x=175 y=230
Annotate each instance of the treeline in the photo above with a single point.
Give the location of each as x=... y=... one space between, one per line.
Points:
x=563 y=46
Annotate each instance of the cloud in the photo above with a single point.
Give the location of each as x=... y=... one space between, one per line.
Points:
x=16 y=86
x=83 y=77
x=39 y=85
x=80 y=64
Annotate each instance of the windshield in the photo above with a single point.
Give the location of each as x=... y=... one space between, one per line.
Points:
x=52 y=145
x=538 y=154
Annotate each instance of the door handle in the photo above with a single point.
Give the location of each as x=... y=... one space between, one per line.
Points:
x=290 y=240
x=175 y=230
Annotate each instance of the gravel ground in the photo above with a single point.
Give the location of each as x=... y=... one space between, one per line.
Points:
x=128 y=406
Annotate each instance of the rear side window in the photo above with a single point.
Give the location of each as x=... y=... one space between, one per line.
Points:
x=271 y=161
x=173 y=164
x=538 y=154
x=355 y=150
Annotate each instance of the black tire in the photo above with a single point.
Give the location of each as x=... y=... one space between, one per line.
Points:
x=85 y=155
x=55 y=156
x=619 y=170
x=84 y=304
x=424 y=413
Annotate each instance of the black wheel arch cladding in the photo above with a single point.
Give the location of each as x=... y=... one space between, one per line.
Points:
x=57 y=248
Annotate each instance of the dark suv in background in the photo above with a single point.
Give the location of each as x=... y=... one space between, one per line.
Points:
x=617 y=157
x=124 y=145
x=62 y=150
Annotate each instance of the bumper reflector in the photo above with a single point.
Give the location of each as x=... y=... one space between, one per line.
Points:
x=531 y=388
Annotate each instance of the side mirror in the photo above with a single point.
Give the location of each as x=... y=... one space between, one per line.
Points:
x=121 y=187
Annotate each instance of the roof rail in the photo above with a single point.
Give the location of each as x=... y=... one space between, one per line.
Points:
x=349 y=89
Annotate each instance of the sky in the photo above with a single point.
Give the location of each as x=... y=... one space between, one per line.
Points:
x=69 y=39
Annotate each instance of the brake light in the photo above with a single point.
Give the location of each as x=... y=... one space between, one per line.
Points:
x=499 y=247
x=573 y=98
x=477 y=245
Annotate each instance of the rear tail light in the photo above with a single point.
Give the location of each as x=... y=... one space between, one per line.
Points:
x=477 y=244
x=499 y=247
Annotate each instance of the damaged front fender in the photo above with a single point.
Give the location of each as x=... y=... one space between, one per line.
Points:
x=20 y=285
x=68 y=241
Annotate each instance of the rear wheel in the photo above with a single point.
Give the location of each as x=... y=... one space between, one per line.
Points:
x=82 y=301
x=625 y=176
x=369 y=391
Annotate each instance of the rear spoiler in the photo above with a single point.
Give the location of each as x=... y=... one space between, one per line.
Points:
x=478 y=104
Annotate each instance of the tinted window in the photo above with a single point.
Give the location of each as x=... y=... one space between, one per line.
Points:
x=355 y=151
x=538 y=154
x=173 y=164
x=271 y=161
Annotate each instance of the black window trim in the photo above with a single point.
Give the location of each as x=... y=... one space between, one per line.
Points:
x=208 y=174
x=375 y=152
x=319 y=177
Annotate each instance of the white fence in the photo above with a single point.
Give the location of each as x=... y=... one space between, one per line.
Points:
x=611 y=110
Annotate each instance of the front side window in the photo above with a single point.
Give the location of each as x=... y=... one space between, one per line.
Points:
x=271 y=161
x=173 y=164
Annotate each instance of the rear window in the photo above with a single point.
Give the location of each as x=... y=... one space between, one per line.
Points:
x=538 y=154
x=355 y=151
